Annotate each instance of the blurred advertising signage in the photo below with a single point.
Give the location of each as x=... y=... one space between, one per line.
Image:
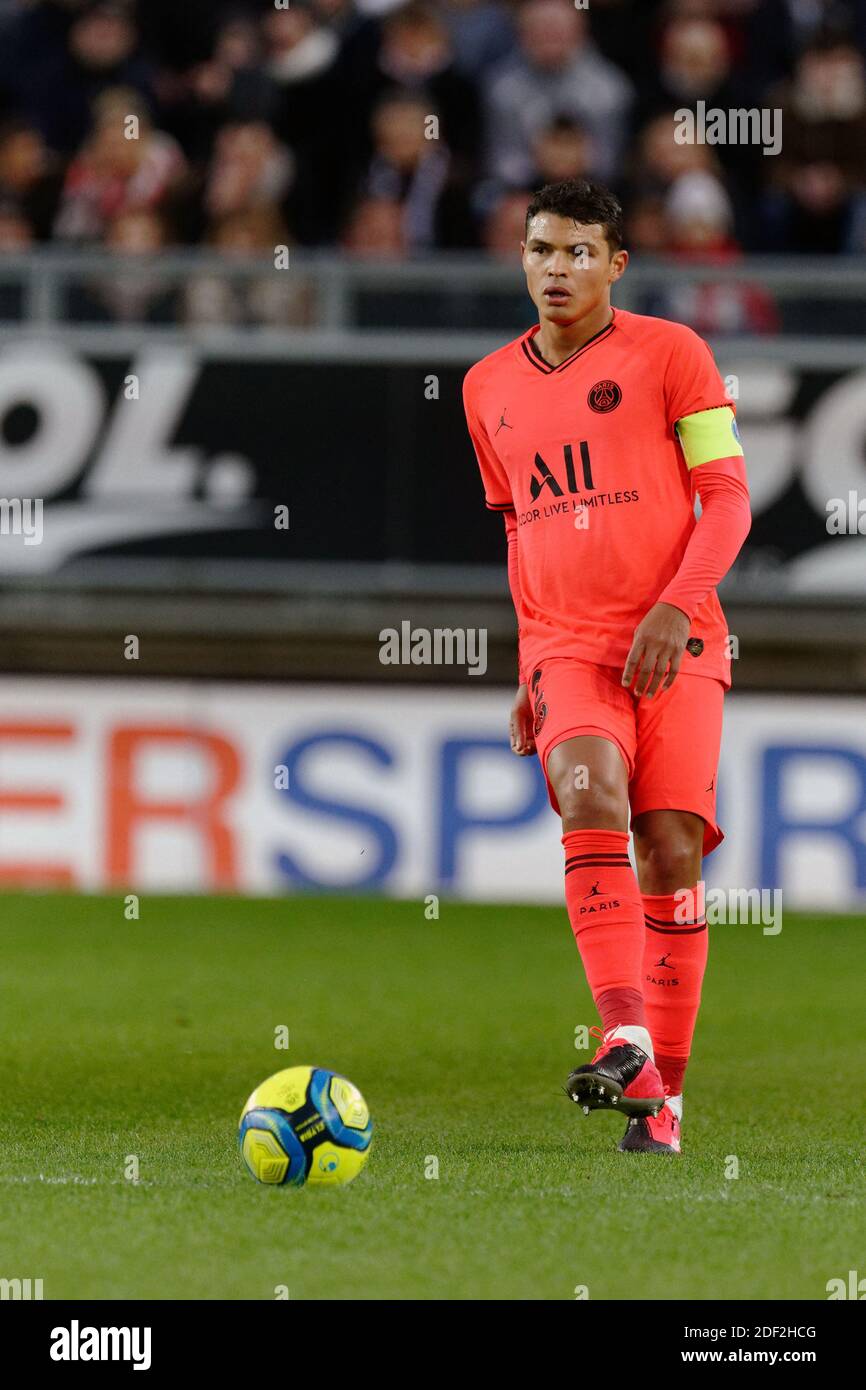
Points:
x=282 y=790
x=172 y=452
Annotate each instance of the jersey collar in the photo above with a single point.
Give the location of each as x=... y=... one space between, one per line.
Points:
x=531 y=352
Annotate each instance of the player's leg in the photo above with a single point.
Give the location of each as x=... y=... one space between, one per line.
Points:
x=669 y=847
x=589 y=781
x=584 y=728
x=673 y=820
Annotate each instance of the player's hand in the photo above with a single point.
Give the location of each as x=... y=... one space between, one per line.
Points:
x=522 y=738
x=657 y=650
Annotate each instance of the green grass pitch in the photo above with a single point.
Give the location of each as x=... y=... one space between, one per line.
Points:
x=144 y=1038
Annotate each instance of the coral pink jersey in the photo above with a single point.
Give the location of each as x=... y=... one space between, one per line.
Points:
x=588 y=457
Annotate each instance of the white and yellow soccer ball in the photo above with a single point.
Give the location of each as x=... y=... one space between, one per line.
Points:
x=303 y=1126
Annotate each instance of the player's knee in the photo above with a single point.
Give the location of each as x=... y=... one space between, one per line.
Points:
x=669 y=864
x=597 y=806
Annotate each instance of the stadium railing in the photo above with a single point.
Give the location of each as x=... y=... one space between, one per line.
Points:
x=51 y=286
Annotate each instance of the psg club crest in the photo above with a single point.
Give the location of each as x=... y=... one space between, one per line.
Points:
x=695 y=646
x=604 y=397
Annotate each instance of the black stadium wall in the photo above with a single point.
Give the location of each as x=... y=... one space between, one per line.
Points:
x=372 y=461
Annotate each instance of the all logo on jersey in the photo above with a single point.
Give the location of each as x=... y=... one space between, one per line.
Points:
x=546 y=478
x=695 y=646
x=604 y=396
x=576 y=473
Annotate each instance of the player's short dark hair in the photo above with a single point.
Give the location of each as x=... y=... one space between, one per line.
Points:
x=584 y=202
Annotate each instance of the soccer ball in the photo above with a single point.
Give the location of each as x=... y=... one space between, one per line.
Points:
x=305 y=1125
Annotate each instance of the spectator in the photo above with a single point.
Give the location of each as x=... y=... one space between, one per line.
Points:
x=820 y=175
x=482 y=34
x=129 y=294
x=229 y=86
x=505 y=225
x=375 y=230
x=698 y=227
x=270 y=299
x=250 y=169
x=695 y=64
x=16 y=233
x=30 y=176
x=416 y=173
x=646 y=227
x=304 y=112
x=309 y=116
x=700 y=217
x=300 y=50
x=556 y=72
x=625 y=32
x=416 y=56
x=659 y=158
x=777 y=31
x=563 y=150
x=116 y=172
x=101 y=53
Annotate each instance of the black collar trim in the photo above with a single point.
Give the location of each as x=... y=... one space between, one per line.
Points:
x=541 y=363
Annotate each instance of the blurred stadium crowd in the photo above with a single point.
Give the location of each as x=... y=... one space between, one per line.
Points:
x=310 y=125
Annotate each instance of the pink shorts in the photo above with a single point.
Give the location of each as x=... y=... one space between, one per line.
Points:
x=669 y=744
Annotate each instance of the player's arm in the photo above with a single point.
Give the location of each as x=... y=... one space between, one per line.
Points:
x=498 y=498
x=717 y=475
x=521 y=724
x=726 y=518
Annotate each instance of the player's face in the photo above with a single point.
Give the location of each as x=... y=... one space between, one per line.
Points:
x=569 y=267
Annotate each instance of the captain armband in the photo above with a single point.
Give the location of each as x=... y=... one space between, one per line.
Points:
x=709 y=434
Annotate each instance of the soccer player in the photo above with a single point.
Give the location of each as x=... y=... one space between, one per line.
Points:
x=595 y=432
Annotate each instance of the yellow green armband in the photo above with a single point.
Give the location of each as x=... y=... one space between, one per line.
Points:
x=709 y=434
